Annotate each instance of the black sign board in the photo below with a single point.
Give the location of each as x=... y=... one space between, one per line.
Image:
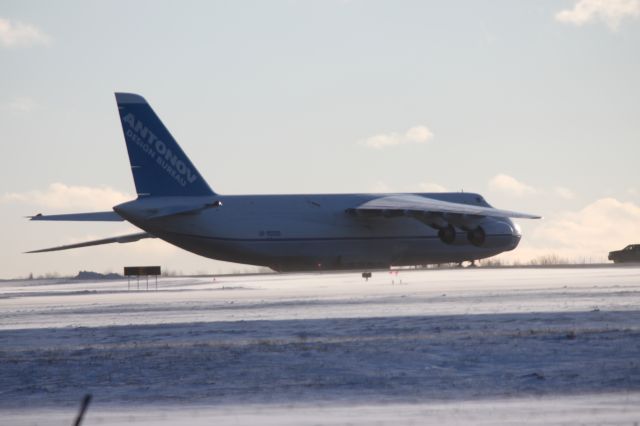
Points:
x=141 y=270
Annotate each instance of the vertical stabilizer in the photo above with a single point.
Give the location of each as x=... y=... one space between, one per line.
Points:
x=158 y=164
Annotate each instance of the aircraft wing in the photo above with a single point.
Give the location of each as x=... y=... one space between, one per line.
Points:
x=130 y=238
x=415 y=203
x=81 y=217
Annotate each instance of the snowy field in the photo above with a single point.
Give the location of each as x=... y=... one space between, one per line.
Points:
x=481 y=346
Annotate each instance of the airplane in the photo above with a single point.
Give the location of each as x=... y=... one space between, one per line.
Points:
x=304 y=232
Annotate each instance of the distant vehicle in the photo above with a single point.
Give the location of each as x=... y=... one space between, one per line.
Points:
x=290 y=232
x=630 y=253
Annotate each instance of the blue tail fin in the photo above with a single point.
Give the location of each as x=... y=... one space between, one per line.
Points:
x=159 y=166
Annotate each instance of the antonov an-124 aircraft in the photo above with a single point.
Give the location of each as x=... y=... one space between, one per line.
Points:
x=290 y=232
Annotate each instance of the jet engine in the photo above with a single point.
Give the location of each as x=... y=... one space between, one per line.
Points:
x=447 y=234
x=476 y=236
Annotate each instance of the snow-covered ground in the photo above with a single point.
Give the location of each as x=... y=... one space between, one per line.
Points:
x=495 y=346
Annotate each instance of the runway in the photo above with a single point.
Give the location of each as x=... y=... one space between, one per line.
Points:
x=437 y=346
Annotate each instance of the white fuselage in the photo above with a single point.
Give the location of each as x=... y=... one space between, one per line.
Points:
x=311 y=232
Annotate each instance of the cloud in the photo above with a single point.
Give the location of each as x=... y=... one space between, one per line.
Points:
x=611 y=12
x=563 y=192
x=18 y=34
x=510 y=185
x=21 y=104
x=604 y=225
x=69 y=197
x=585 y=235
x=415 y=135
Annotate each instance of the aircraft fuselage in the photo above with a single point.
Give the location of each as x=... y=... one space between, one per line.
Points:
x=312 y=232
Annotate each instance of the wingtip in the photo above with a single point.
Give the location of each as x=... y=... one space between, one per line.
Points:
x=531 y=216
x=37 y=251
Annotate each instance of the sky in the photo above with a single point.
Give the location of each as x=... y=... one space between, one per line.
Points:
x=534 y=104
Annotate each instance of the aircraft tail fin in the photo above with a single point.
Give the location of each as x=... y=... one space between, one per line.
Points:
x=158 y=164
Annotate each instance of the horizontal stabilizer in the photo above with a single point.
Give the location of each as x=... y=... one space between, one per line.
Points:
x=81 y=217
x=130 y=238
x=416 y=203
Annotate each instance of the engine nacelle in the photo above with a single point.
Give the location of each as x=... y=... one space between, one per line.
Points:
x=447 y=234
x=476 y=236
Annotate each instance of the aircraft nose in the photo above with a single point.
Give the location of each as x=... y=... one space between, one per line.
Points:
x=516 y=230
x=501 y=234
x=516 y=235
